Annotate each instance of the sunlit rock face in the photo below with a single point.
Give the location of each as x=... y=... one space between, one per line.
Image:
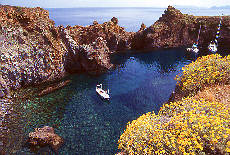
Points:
x=31 y=51
x=175 y=29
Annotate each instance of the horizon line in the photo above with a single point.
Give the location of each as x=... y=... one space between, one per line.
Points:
x=175 y=6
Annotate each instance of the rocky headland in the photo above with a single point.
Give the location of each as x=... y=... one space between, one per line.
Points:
x=34 y=50
x=175 y=29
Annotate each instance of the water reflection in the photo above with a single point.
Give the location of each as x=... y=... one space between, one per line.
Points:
x=165 y=60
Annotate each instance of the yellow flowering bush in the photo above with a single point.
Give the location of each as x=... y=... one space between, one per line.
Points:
x=206 y=70
x=184 y=127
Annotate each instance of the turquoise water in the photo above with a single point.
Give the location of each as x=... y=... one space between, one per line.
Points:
x=141 y=83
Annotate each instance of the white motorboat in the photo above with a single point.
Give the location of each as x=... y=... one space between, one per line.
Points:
x=103 y=93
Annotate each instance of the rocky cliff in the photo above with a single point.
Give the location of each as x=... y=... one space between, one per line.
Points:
x=95 y=43
x=175 y=29
x=33 y=50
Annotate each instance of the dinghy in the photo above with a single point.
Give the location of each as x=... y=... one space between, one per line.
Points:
x=102 y=93
x=212 y=47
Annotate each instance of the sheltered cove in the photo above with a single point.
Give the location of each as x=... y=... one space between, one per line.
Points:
x=35 y=51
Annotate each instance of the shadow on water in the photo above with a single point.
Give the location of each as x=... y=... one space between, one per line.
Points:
x=166 y=60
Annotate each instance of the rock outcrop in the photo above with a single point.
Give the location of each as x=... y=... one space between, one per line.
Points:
x=175 y=29
x=45 y=136
x=31 y=51
x=115 y=37
x=34 y=51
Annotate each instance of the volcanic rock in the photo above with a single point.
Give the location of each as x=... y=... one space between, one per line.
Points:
x=114 y=20
x=143 y=26
x=95 y=22
x=31 y=51
x=34 y=50
x=45 y=136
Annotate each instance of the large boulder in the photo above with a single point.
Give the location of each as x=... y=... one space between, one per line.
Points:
x=45 y=136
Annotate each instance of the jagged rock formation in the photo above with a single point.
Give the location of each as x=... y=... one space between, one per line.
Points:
x=45 y=136
x=33 y=50
x=115 y=37
x=175 y=29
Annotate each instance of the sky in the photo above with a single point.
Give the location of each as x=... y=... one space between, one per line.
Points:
x=113 y=3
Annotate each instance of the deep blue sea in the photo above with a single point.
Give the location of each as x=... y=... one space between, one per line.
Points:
x=129 y=18
x=141 y=83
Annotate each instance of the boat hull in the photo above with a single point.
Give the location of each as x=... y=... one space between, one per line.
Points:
x=103 y=94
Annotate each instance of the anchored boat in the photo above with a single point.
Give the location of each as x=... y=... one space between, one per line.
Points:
x=103 y=93
x=194 y=47
x=213 y=46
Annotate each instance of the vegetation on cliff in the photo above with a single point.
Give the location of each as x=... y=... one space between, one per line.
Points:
x=188 y=126
x=207 y=70
x=193 y=125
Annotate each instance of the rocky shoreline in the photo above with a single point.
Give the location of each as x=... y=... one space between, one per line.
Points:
x=34 y=51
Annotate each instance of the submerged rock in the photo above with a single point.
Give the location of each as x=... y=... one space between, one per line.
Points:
x=45 y=136
x=53 y=88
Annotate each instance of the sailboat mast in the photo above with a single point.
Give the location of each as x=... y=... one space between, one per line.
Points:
x=218 y=31
x=198 y=35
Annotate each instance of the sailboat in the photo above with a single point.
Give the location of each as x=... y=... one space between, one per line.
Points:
x=194 y=47
x=214 y=44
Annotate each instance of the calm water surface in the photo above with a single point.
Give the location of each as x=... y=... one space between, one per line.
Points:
x=141 y=83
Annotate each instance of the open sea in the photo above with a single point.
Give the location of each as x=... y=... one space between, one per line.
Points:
x=141 y=83
x=129 y=18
